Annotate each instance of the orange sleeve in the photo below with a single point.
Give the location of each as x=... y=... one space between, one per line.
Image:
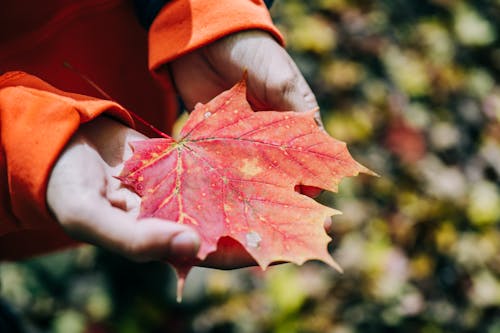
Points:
x=185 y=25
x=36 y=122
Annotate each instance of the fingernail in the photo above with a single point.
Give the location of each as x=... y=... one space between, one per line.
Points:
x=185 y=245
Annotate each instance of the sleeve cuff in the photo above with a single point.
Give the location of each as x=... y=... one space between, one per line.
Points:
x=185 y=25
x=37 y=121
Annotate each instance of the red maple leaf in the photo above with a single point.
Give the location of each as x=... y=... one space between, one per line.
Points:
x=232 y=174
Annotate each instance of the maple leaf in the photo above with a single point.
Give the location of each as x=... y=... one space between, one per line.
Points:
x=233 y=173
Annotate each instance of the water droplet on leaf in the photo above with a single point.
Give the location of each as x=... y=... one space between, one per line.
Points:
x=253 y=239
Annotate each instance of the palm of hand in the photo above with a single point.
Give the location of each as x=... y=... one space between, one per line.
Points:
x=92 y=206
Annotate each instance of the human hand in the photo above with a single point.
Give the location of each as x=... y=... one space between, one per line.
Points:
x=274 y=80
x=92 y=206
x=274 y=83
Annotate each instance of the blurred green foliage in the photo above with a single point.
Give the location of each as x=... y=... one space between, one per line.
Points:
x=413 y=88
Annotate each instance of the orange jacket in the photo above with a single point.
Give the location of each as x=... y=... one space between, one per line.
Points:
x=103 y=40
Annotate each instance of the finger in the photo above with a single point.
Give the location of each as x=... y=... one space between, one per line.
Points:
x=328 y=224
x=230 y=254
x=120 y=196
x=287 y=87
x=289 y=90
x=140 y=240
x=313 y=192
x=124 y=199
x=310 y=191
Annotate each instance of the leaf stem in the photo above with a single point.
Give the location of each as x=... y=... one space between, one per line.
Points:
x=107 y=96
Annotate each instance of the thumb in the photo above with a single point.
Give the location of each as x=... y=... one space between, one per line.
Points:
x=140 y=240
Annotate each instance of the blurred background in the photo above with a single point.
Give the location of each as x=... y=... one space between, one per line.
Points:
x=413 y=88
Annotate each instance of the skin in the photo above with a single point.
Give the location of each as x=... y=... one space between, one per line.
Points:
x=105 y=214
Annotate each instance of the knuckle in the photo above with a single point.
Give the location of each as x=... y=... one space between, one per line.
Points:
x=310 y=99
